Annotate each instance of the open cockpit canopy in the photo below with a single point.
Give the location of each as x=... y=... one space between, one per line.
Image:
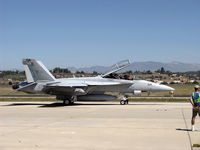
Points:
x=116 y=67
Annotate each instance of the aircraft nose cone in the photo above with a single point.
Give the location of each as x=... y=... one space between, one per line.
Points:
x=166 y=88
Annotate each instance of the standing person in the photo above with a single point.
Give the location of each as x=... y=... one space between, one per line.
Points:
x=195 y=101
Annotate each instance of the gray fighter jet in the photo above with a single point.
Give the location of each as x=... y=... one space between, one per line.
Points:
x=69 y=90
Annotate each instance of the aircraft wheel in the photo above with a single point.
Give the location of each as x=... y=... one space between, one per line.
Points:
x=66 y=102
x=123 y=102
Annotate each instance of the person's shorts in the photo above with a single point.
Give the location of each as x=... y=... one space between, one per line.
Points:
x=195 y=112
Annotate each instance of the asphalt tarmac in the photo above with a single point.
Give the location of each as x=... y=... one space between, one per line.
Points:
x=97 y=126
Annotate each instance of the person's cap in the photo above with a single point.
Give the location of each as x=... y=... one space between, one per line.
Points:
x=196 y=87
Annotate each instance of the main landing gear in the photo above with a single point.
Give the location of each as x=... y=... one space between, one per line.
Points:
x=70 y=101
x=124 y=100
x=67 y=100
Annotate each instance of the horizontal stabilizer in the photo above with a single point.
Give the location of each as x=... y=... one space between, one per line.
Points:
x=27 y=88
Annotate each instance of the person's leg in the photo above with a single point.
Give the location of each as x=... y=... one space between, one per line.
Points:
x=194 y=114
x=193 y=120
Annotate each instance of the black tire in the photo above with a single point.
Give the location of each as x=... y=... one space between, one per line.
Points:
x=66 y=102
x=122 y=102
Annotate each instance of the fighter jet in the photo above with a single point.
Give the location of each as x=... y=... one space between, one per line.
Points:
x=70 y=90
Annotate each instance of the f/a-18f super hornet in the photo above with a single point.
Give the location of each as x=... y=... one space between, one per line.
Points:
x=69 y=90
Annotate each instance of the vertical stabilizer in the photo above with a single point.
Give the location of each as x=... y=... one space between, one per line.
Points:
x=36 y=71
x=29 y=77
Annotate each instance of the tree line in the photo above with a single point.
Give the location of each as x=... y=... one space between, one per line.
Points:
x=58 y=70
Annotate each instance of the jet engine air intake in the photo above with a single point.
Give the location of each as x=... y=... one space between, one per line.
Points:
x=79 y=91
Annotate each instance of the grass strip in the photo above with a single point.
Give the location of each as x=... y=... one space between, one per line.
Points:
x=196 y=145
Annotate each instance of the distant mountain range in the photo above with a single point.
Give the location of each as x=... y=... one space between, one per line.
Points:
x=144 y=66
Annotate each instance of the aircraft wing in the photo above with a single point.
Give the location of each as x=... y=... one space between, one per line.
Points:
x=69 y=88
x=85 y=84
x=118 y=66
x=66 y=84
x=102 y=83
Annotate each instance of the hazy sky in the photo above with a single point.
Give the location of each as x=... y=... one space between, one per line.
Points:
x=98 y=32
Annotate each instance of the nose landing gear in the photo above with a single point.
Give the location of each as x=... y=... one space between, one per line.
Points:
x=124 y=100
